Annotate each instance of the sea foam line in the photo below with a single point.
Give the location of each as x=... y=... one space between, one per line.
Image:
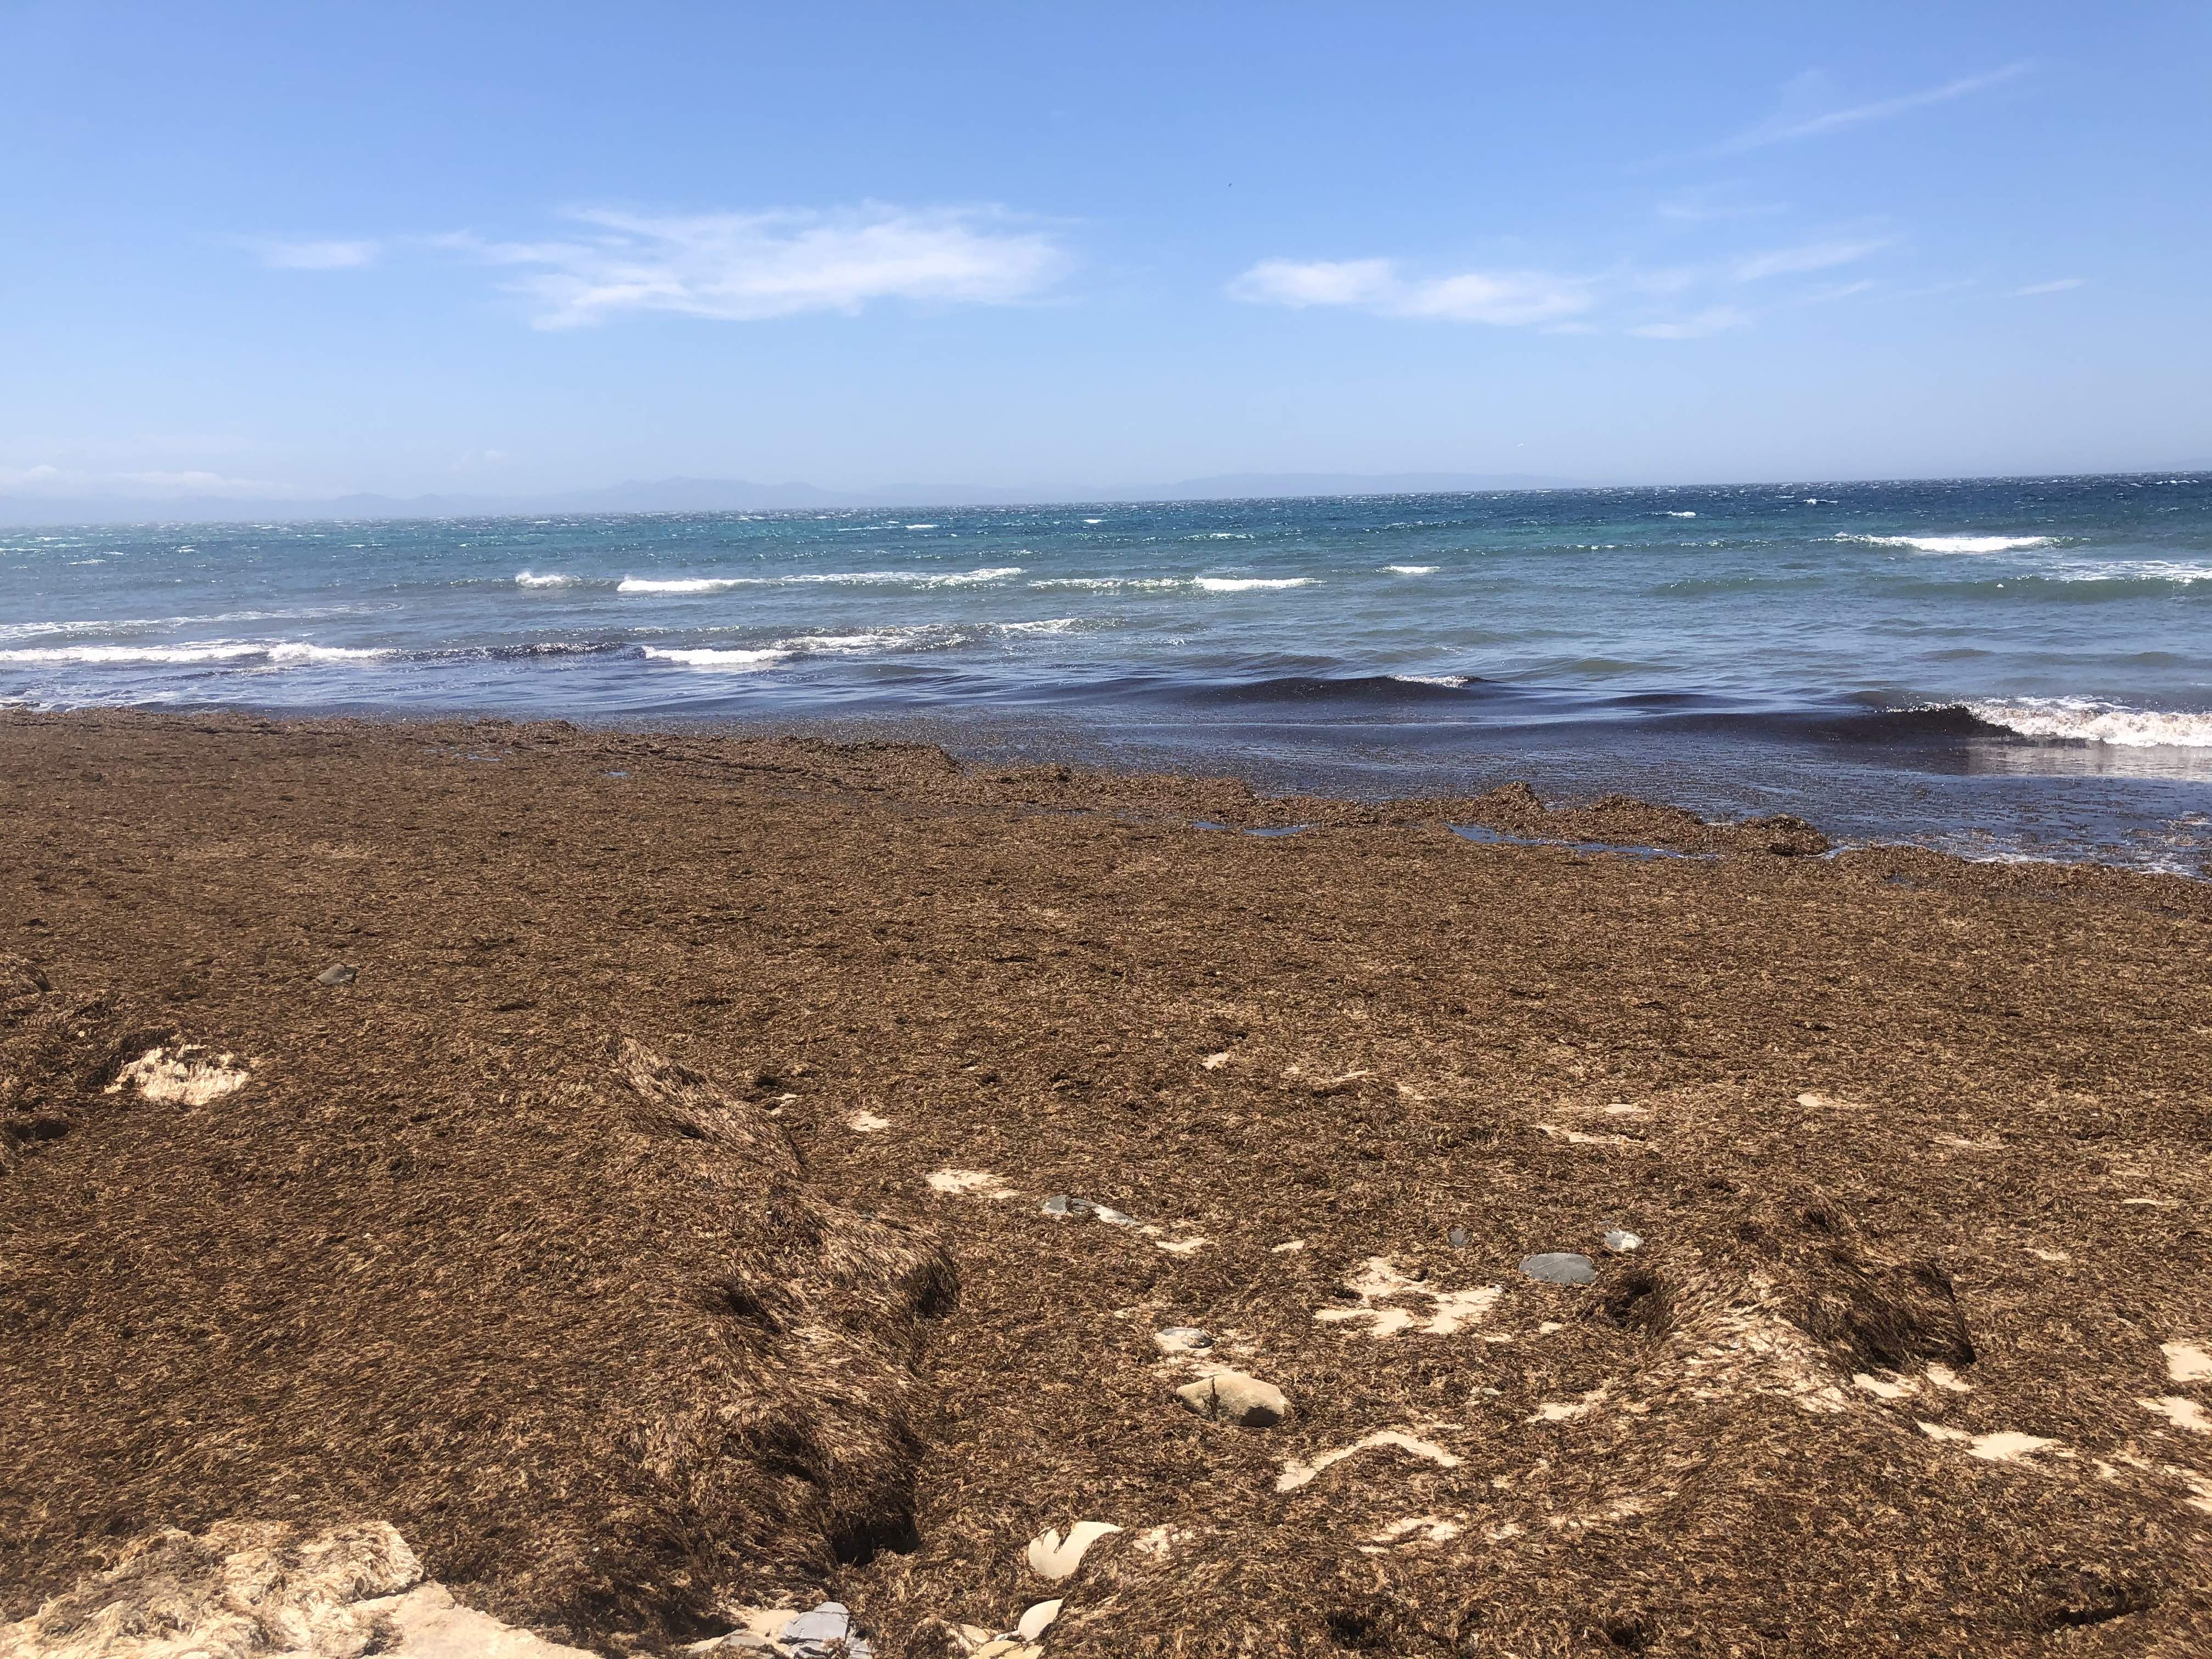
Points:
x=1954 y=543
x=859 y=578
x=2080 y=719
x=284 y=651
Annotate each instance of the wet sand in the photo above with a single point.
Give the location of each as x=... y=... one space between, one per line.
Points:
x=654 y=1225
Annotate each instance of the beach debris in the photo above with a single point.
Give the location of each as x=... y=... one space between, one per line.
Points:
x=2180 y=1411
x=1379 y=1282
x=1296 y=1473
x=1035 y=1622
x=1560 y=1268
x=1621 y=1240
x=980 y=1183
x=1457 y=1238
x=2186 y=1362
x=1084 y=1209
x=339 y=973
x=1054 y=1557
x=823 y=1631
x=189 y=1076
x=1182 y=1339
x=1233 y=1397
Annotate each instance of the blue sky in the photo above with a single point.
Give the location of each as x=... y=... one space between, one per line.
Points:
x=299 y=249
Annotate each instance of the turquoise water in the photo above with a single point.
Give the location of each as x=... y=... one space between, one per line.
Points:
x=2010 y=667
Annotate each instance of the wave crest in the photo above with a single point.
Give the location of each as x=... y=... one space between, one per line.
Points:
x=1954 y=543
x=2080 y=720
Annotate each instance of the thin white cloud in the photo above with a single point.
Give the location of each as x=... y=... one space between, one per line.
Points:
x=1700 y=207
x=1714 y=320
x=1805 y=257
x=47 y=480
x=748 y=267
x=2057 y=286
x=1504 y=299
x=314 y=256
x=1792 y=128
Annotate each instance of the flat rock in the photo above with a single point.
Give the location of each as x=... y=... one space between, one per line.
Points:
x=339 y=973
x=1233 y=1397
x=1182 y=1339
x=1083 y=1209
x=1560 y=1268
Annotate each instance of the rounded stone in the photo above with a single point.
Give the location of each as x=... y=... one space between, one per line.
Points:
x=1233 y=1397
x=1560 y=1268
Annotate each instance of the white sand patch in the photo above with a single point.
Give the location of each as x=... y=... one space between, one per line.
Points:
x=2181 y=1412
x=1999 y=1446
x=1966 y=1145
x=188 y=1077
x=1286 y=1247
x=1889 y=1385
x=1296 y=1474
x=1182 y=1246
x=2196 y=1484
x=1944 y=1377
x=2186 y=1362
x=1159 y=1541
x=866 y=1123
x=2151 y=1203
x=1053 y=1557
x=980 y=1183
x=1215 y=1062
x=2047 y=1255
x=1504 y=1532
x=1623 y=1109
x=1380 y=1282
x=1565 y=1411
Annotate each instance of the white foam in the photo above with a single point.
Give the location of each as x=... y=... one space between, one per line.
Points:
x=2082 y=720
x=684 y=585
x=1057 y=625
x=299 y=651
x=922 y=527
x=1110 y=581
x=1246 y=584
x=526 y=579
x=1954 y=543
x=1411 y=569
x=704 y=657
x=285 y=650
x=1681 y=515
x=1431 y=679
x=972 y=576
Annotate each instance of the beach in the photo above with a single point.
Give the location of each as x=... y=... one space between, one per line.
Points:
x=671 y=1176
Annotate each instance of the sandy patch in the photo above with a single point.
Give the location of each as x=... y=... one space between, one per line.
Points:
x=866 y=1123
x=2181 y=1412
x=980 y=1183
x=2186 y=1362
x=1999 y=1446
x=1296 y=1473
x=1379 y=1282
x=185 y=1077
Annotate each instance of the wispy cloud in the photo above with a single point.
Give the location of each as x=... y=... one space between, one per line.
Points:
x=48 y=480
x=1805 y=257
x=1505 y=299
x=2057 y=286
x=1509 y=299
x=313 y=256
x=1796 y=126
x=748 y=267
x=1717 y=203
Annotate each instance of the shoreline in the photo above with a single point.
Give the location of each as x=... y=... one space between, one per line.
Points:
x=653 y=1225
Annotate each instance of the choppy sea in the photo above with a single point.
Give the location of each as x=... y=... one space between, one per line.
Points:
x=2006 y=668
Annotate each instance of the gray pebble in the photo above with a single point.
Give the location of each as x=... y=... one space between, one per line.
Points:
x=340 y=972
x=1457 y=1238
x=1560 y=1268
x=1620 y=1239
x=1084 y=1210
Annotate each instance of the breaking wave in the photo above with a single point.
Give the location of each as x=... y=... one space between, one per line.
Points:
x=1954 y=543
x=2081 y=721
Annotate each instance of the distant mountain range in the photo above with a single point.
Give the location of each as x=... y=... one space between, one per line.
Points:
x=737 y=495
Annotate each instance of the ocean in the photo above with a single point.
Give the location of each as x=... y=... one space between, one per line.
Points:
x=2008 y=668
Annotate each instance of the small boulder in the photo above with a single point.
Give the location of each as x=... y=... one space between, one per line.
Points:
x=339 y=973
x=1560 y=1268
x=1053 y=1557
x=1233 y=1397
